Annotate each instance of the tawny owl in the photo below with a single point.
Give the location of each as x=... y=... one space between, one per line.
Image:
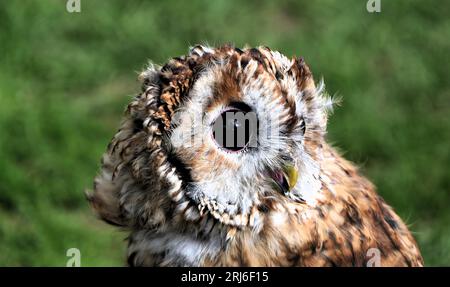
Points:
x=222 y=160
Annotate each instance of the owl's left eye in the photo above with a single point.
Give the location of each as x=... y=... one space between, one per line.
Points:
x=235 y=129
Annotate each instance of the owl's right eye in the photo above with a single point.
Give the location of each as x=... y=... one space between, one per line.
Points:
x=235 y=129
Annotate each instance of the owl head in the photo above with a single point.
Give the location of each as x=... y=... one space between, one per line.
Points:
x=220 y=132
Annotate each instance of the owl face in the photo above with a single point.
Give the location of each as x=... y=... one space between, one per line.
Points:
x=239 y=132
x=221 y=131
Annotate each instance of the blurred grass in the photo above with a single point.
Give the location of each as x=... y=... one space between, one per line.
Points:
x=66 y=78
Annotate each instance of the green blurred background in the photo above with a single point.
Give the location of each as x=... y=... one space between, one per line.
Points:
x=66 y=78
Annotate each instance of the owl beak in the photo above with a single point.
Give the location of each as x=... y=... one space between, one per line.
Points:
x=292 y=175
x=286 y=178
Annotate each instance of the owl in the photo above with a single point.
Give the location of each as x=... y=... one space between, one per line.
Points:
x=222 y=160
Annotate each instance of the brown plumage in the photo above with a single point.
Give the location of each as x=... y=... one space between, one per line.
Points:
x=291 y=200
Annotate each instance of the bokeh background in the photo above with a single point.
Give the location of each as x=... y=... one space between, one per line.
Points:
x=65 y=79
